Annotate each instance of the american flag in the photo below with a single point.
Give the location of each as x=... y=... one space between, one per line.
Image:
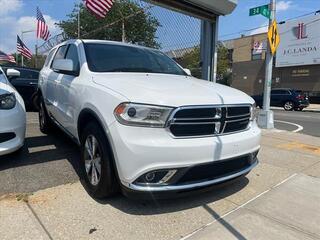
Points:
x=7 y=57
x=99 y=8
x=22 y=48
x=42 y=27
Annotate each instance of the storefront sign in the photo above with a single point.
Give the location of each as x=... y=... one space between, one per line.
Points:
x=300 y=43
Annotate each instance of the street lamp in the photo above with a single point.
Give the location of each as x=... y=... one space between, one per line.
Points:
x=23 y=32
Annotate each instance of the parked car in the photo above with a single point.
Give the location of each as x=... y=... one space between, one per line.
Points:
x=12 y=115
x=26 y=84
x=287 y=98
x=143 y=124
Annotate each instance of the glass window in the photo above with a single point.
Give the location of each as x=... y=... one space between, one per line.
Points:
x=2 y=77
x=28 y=74
x=49 y=57
x=119 y=58
x=72 y=54
x=60 y=53
x=256 y=56
x=276 y=92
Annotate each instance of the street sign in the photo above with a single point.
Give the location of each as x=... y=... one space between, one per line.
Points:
x=266 y=12
x=274 y=37
x=263 y=10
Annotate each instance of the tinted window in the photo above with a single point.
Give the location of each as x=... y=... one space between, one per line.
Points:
x=275 y=92
x=281 y=92
x=73 y=55
x=60 y=53
x=117 y=58
x=28 y=74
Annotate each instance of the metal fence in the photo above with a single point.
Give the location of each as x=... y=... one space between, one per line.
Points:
x=178 y=35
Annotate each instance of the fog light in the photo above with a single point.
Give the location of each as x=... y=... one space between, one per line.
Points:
x=157 y=177
x=150 y=177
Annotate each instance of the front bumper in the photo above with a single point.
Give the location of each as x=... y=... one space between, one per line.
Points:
x=138 y=151
x=13 y=123
x=167 y=190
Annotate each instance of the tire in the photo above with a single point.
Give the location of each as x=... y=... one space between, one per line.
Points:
x=45 y=122
x=98 y=185
x=299 y=109
x=288 y=106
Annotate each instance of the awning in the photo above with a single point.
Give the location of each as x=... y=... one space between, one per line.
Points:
x=205 y=9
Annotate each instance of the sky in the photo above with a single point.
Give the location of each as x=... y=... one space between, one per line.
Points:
x=177 y=31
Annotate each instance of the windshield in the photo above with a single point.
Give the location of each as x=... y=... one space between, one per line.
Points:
x=2 y=77
x=118 y=58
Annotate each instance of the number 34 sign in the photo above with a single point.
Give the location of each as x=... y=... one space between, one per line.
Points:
x=274 y=37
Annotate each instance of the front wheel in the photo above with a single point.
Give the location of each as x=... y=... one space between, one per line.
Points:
x=288 y=106
x=99 y=178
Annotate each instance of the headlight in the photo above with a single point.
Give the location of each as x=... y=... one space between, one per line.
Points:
x=134 y=114
x=7 y=101
x=254 y=112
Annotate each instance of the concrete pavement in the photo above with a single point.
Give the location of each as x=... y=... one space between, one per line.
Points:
x=279 y=199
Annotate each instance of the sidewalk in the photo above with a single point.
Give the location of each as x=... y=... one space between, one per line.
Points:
x=278 y=199
x=311 y=108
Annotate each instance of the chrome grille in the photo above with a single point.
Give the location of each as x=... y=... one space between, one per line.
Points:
x=200 y=121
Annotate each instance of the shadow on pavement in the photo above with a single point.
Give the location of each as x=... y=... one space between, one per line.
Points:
x=190 y=200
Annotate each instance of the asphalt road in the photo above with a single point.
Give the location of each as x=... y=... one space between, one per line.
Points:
x=303 y=122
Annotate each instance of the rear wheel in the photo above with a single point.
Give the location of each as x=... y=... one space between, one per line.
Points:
x=288 y=106
x=99 y=178
x=45 y=122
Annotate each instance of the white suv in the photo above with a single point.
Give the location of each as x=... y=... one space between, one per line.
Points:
x=144 y=125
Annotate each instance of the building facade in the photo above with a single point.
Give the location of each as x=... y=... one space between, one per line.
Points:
x=296 y=65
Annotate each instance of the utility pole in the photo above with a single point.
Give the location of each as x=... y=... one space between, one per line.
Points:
x=265 y=118
x=21 y=53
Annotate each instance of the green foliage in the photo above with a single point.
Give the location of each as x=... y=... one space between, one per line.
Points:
x=191 y=60
x=140 y=27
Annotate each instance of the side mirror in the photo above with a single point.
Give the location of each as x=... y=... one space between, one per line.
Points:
x=65 y=66
x=187 y=71
x=12 y=73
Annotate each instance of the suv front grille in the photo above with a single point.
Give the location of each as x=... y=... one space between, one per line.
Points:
x=209 y=120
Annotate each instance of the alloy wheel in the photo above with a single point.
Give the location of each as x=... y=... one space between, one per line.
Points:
x=92 y=157
x=288 y=106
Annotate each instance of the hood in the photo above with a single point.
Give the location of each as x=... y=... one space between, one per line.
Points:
x=169 y=90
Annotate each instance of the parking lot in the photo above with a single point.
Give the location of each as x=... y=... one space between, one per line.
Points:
x=289 y=166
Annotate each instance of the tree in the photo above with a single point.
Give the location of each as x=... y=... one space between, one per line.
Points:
x=138 y=24
x=191 y=60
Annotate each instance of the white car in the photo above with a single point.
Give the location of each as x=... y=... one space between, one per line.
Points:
x=12 y=115
x=144 y=125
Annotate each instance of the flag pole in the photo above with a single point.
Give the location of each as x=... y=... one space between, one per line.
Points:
x=21 y=53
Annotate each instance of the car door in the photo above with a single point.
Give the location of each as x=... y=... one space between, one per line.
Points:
x=53 y=80
x=66 y=88
x=26 y=85
x=275 y=98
